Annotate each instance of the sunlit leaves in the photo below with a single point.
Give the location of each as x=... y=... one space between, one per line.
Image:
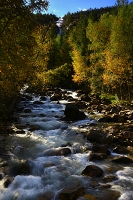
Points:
x=118 y=55
x=16 y=44
x=79 y=65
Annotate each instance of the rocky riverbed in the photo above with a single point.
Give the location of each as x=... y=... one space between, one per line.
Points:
x=65 y=145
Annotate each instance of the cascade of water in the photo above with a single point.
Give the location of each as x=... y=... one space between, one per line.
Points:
x=50 y=156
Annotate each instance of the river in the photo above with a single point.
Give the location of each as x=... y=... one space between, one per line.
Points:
x=38 y=133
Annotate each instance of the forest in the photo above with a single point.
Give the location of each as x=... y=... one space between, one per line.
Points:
x=92 y=50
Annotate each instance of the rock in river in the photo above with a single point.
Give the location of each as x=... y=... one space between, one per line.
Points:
x=92 y=171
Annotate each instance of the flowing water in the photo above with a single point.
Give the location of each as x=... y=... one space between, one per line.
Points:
x=44 y=132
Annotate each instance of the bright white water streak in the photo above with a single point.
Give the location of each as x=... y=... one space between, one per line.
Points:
x=49 y=174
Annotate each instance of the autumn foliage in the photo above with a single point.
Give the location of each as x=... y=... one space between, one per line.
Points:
x=94 y=49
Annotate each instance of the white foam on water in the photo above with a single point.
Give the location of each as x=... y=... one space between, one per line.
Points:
x=124 y=184
x=23 y=188
x=126 y=196
x=53 y=173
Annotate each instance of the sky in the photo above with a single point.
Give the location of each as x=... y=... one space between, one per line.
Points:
x=62 y=7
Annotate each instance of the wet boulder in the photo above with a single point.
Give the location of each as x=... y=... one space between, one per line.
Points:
x=27 y=97
x=46 y=196
x=67 y=144
x=109 y=178
x=97 y=156
x=72 y=113
x=104 y=186
x=37 y=102
x=93 y=183
x=122 y=160
x=95 y=135
x=42 y=98
x=121 y=150
x=20 y=132
x=108 y=193
x=34 y=128
x=27 y=110
x=108 y=139
x=100 y=149
x=48 y=164
x=22 y=168
x=92 y=171
x=61 y=151
x=56 y=97
x=71 y=193
x=1 y=176
x=4 y=154
x=7 y=181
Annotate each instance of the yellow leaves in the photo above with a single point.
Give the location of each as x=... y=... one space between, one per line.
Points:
x=117 y=68
x=79 y=66
x=42 y=49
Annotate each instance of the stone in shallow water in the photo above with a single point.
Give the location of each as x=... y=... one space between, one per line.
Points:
x=34 y=128
x=109 y=178
x=71 y=193
x=22 y=168
x=121 y=150
x=72 y=113
x=97 y=156
x=92 y=171
x=42 y=98
x=109 y=195
x=61 y=151
x=100 y=149
x=104 y=186
x=20 y=132
x=7 y=181
x=47 y=196
x=27 y=110
x=95 y=135
x=122 y=160
x=93 y=183
x=87 y=197
x=37 y=102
